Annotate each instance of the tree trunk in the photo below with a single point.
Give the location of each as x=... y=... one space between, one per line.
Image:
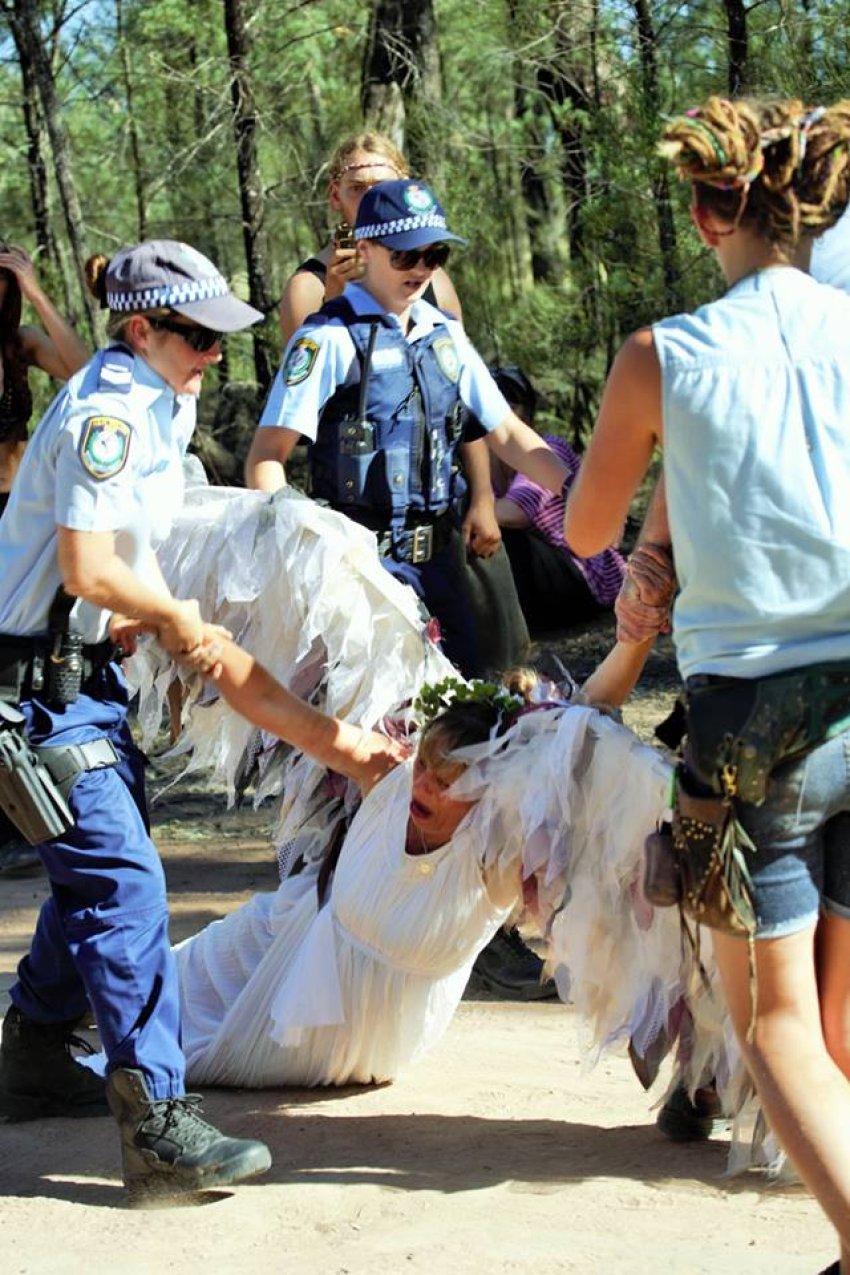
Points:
x=648 y=51
x=567 y=84
x=135 y=149
x=23 y=18
x=34 y=127
x=401 y=83
x=251 y=193
x=736 y=30
x=542 y=217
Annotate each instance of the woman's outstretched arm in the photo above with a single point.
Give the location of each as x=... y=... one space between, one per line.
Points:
x=362 y=755
x=612 y=681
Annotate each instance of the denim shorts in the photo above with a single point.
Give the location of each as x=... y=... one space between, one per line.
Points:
x=802 y=839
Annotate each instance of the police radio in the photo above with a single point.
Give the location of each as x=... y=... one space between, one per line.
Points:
x=357 y=433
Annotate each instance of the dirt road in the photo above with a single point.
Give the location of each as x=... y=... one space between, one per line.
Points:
x=499 y=1152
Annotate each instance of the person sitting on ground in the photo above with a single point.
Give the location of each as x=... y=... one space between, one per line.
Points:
x=557 y=589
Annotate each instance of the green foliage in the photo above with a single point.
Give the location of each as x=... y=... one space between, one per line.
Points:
x=545 y=138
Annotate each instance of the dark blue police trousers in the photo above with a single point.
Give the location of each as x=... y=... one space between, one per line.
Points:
x=102 y=935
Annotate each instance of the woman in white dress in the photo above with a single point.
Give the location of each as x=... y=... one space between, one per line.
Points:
x=293 y=989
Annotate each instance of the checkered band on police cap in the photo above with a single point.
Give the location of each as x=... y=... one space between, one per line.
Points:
x=380 y=229
x=161 y=273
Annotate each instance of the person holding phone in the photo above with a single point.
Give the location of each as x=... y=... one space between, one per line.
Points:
x=357 y=164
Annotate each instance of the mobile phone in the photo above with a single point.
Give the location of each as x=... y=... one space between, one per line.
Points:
x=344 y=236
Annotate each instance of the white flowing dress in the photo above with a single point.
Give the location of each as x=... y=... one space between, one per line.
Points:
x=282 y=992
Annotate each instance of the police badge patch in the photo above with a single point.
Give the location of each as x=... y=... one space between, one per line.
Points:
x=418 y=199
x=447 y=357
x=105 y=446
x=299 y=361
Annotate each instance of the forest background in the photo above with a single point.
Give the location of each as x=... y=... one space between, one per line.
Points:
x=535 y=120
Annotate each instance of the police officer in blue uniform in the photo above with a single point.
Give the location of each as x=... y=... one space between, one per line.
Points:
x=378 y=381
x=98 y=486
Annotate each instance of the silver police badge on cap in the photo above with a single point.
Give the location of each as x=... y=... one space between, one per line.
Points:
x=418 y=199
x=105 y=446
x=299 y=361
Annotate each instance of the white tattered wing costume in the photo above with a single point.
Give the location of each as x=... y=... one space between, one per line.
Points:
x=284 y=992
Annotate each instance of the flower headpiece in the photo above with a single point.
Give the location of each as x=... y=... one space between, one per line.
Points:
x=434 y=699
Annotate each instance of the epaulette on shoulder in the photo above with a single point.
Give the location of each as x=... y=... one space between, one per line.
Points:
x=342 y=309
x=338 y=308
x=115 y=374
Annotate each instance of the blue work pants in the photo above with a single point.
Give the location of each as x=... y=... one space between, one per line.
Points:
x=102 y=935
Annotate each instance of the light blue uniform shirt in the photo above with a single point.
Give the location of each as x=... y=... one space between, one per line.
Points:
x=54 y=487
x=298 y=405
x=756 y=404
x=831 y=255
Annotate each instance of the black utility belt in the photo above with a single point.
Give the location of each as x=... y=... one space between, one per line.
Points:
x=26 y=663
x=419 y=543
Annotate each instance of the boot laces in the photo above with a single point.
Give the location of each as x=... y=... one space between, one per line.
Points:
x=182 y=1117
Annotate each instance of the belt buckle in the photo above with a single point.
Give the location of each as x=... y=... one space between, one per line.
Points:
x=422 y=544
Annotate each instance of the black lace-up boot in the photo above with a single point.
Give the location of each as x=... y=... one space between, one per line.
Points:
x=168 y=1150
x=39 y=1076
x=509 y=968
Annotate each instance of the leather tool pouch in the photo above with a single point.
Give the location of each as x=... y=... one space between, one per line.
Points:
x=710 y=849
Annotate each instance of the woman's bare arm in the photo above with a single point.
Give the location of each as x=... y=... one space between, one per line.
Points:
x=362 y=755
x=627 y=431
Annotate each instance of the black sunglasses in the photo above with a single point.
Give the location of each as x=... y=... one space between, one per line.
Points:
x=432 y=257
x=197 y=338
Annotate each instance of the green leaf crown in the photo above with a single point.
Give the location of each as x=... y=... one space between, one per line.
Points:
x=435 y=698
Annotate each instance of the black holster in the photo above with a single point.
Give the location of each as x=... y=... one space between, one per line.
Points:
x=29 y=796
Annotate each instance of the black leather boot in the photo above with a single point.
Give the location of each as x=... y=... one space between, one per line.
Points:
x=509 y=968
x=167 y=1149
x=39 y=1076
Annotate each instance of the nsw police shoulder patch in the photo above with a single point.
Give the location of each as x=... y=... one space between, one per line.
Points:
x=105 y=446
x=446 y=354
x=300 y=361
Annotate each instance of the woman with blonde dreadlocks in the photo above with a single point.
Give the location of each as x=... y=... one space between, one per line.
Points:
x=750 y=398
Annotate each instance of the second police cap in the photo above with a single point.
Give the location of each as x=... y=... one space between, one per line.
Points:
x=164 y=273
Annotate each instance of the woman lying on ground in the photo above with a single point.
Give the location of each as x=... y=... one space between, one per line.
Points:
x=347 y=972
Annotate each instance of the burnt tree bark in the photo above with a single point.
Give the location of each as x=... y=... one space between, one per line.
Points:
x=401 y=82
x=738 y=45
x=23 y=18
x=251 y=192
x=648 y=53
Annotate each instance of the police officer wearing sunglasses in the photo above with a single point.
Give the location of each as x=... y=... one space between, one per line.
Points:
x=98 y=486
x=378 y=382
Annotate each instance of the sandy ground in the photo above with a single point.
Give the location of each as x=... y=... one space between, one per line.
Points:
x=499 y=1152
